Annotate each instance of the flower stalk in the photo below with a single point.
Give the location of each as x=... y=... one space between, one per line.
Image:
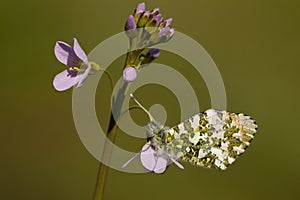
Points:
x=144 y=29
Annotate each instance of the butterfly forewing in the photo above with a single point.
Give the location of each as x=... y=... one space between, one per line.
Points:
x=212 y=139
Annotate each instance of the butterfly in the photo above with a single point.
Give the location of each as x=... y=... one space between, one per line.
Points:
x=211 y=139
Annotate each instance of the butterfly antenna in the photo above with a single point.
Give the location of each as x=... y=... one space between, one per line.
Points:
x=142 y=107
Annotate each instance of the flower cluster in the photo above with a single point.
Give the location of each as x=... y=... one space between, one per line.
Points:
x=149 y=26
x=144 y=28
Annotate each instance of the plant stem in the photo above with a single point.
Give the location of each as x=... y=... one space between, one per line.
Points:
x=131 y=57
x=103 y=169
x=111 y=135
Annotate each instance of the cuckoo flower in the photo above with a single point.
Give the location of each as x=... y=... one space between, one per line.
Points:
x=77 y=62
x=157 y=29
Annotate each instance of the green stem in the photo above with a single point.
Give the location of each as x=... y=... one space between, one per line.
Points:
x=96 y=67
x=111 y=135
x=131 y=56
x=103 y=169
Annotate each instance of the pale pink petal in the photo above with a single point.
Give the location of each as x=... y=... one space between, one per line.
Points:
x=148 y=157
x=161 y=165
x=81 y=78
x=79 y=51
x=140 y=8
x=164 y=31
x=155 y=11
x=64 y=81
x=172 y=31
x=169 y=21
x=65 y=54
x=158 y=18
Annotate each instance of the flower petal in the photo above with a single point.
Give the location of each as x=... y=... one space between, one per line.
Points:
x=64 y=81
x=65 y=54
x=161 y=165
x=79 y=51
x=172 y=31
x=164 y=31
x=155 y=11
x=140 y=8
x=168 y=21
x=82 y=77
x=170 y=35
x=158 y=18
x=148 y=157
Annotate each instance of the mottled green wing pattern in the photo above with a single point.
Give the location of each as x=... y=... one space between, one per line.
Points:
x=212 y=139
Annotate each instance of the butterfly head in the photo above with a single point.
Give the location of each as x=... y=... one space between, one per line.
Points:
x=156 y=146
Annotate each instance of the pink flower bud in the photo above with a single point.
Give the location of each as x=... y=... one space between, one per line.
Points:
x=129 y=74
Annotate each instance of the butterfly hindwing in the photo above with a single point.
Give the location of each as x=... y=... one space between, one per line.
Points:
x=212 y=139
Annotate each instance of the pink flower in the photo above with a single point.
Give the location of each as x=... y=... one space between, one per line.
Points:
x=77 y=61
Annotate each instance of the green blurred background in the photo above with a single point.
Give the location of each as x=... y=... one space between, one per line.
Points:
x=255 y=45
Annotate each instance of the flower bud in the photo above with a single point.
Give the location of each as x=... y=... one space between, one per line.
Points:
x=155 y=11
x=170 y=35
x=158 y=18
x=129 y=74
x=168 y=21
x=140 y=9
x=143 y=19
x=150 y=56
x=153 y=53
x=164 y=31
x=130 y=23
